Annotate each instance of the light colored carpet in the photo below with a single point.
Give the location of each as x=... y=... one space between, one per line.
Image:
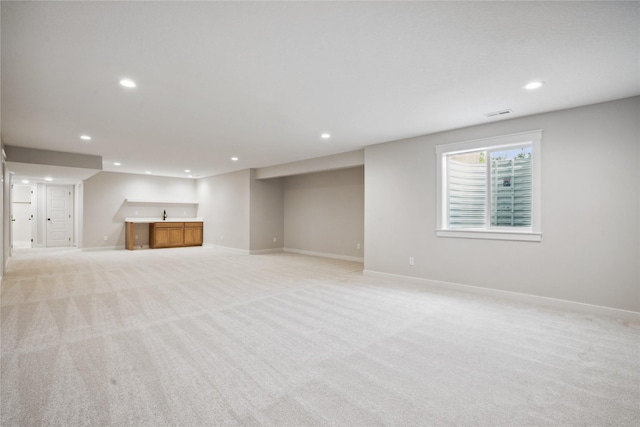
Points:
x=204 y=336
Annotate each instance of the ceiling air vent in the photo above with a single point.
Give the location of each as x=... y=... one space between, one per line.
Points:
x=498 y=113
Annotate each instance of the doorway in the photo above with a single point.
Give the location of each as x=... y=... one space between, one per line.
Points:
x=22 y=216
x=42 y=216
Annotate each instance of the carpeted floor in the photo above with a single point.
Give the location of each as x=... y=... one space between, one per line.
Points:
x=204 y=336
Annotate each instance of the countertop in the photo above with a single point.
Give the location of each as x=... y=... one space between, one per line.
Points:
x=150 y=220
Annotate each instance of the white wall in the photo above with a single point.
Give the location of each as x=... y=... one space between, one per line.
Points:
x=590 y=247
x=324 y=212
x=4 y=215
x=4 y=218
x=224 y=206
x=266 y=213
x=320 y=213
x=78 y=213
x=105 y=208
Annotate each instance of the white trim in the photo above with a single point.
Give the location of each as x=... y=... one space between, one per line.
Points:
x=324 y=255
x=204 y=245
x=559 y=304
x=227 y=248
x=522 y=236
x=534 y=138
x=265 y=251
x=103 y=248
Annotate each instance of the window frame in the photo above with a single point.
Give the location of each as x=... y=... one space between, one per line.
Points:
x=516 y=140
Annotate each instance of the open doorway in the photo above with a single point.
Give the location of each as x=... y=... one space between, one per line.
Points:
x=22 y=216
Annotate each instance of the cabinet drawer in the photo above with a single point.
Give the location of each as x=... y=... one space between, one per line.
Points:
x=193 y=224
x=168 y=224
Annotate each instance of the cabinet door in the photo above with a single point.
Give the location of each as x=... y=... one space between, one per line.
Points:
x=166 y=234
x=176 y=237
x=192 y=234
x=160 y=237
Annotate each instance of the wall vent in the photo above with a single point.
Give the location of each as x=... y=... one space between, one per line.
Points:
x=499 y=113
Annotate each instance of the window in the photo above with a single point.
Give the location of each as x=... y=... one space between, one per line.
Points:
x=490 y=188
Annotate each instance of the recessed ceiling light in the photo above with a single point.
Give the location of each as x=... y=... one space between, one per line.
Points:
x=116 y=163
x=187 y=170
x=533 y=85
x=48 y=179
x=190 y=176
x=148 y=172
x=235 y=159
x=127 y=83
x=85 y=137
x=25 y=181
x=325 y=136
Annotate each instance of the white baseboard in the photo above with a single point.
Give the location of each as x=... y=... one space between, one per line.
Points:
x=324 y=255
x=579 y=307
x=204 y=245
x=227 y=248
x=266 y=251
x=103 y=248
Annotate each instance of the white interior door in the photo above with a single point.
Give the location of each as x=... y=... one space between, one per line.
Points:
x=21 y=216
x=58 y=215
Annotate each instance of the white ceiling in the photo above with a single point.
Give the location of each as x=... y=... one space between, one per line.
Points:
x=263 y=80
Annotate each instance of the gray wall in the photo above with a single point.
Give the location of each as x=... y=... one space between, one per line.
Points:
x=266 y=213
x=4 y=213
x=224 y=206
x=5 y=224
x=320 y=212
x=590 y=247
x=324 y=212
x=105 y=208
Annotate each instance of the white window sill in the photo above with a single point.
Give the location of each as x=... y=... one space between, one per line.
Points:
x=522 y=236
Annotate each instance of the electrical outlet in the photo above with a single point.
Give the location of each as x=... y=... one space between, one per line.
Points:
x=136 y=212
x=184 y=213
x=275 y=239
x=136 y=237
x=412 y=261
x=221 y=237
x=358 y=246
x=105 y=237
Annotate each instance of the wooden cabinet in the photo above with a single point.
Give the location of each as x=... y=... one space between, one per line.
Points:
x=193 y=233
x=175 y=234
